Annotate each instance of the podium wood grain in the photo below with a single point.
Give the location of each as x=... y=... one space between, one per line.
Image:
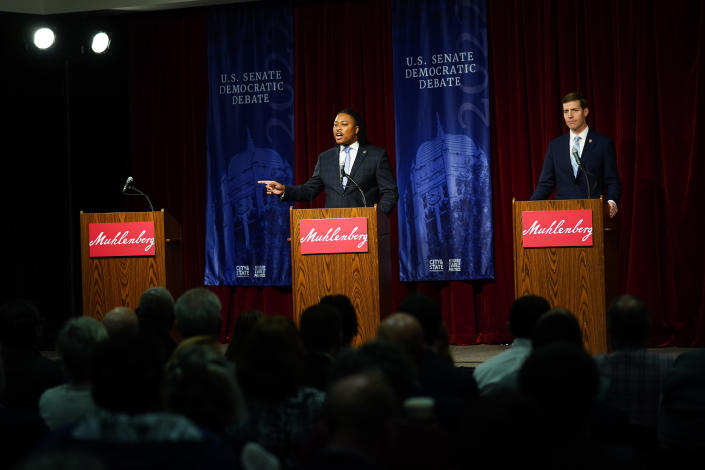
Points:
x=111 y=282
x=569 y=277
x=364 y=277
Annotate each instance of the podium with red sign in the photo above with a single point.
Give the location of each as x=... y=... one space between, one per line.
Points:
x=125 y=253
x=565 y=251
x=342 y=251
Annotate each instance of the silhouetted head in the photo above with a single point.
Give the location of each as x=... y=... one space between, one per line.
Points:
x=75 y=345
x=197 y=312
x=155 y=312
x=121 y=321
x=524 y=313
x=558 y=324
x=349 y=324
x=320 y=329
x=628 y=323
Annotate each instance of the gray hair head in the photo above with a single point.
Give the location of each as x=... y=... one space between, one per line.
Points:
x=75 y=344
x=197 y=313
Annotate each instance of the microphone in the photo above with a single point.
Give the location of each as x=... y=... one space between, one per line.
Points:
x=127 y=183
x=345 y=175
x=579 y=161
x=137 y=192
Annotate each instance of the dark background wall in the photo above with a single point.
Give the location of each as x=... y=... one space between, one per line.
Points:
x=64 y=130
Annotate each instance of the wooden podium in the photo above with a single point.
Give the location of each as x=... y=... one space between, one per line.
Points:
x=364 y=277
x=581 y=279
x=120 y=281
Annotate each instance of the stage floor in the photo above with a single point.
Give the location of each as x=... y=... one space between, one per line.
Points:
x=471 y=356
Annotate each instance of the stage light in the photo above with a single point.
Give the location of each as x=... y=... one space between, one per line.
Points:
x=100 y=43
x=44 y=38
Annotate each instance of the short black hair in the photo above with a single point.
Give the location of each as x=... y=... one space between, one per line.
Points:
x=359 y=122
x=557 y=324
x=628 y=323
x=320 y=329
x=349 y=324
x=524 y=313
x=575 y=96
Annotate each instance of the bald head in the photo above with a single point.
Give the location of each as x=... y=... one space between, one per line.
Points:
x=121 y=321
x=405 y=331
x=359 y=408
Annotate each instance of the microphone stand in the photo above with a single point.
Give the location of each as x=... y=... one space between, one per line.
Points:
x=364 y=201
x=137 y=192
x=579 y=161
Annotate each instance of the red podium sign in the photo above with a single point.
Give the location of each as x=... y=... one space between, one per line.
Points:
x=121 y=239
x=347 y=235
x=556 y=228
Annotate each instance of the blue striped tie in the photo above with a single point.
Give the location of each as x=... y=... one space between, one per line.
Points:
x=575 y=153
x=346 y=166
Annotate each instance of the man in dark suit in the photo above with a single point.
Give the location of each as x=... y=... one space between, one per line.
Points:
x=341 y=170
x=581 y=163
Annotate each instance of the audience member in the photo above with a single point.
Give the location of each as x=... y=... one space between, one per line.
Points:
x=405 y=331
x=198 y=313
x=360 y=412
x=681 y=416
x=281 y=411
x=129 y=429
x=557 y=324
x=244 y=323
x=385 y=356
x=28 y=373
x=348 y=317
x=203 y=340
x=523 y=314
x=438 y=377
x=633 y=376
x=155 y=313
x=320 y=330
x=562 y=379
x=121 y=322
x=68 y=402
x=201 y=385
x=502 y=431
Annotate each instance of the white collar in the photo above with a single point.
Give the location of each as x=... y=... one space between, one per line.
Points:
x=582 y=135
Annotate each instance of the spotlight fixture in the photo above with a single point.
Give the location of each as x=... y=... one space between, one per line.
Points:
x=100 y=42
x=44 y=38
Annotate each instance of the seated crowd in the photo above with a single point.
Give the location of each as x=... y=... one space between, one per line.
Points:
x=154 y=389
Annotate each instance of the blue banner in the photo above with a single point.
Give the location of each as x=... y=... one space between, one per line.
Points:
x=441 y=99
x=250 y=137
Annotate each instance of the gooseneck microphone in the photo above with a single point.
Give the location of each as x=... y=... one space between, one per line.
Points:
x=128 y=183
x=579 y=161
x=345 y=175
x=137 y=192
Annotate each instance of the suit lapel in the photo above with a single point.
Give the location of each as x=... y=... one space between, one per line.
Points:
x=587 y=150
x=359 y=158
x=335 y=168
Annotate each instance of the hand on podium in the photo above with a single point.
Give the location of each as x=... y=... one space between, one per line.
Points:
x=613 y=208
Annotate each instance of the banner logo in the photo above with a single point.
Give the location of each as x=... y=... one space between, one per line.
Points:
x=556 y=228
x=121 y=239
x=333 y=235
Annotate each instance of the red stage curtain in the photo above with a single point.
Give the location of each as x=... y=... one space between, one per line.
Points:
x=640 y=63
